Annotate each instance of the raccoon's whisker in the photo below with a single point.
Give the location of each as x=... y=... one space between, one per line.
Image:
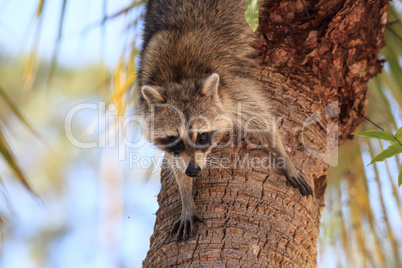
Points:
x=215 y=171
x=170 y=173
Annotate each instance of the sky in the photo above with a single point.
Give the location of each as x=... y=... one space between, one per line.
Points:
x=81 y=39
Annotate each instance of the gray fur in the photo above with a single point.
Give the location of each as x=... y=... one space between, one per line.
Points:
x=197 y=56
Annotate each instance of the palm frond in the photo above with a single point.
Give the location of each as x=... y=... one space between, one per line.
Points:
x=53 y=64
x=29 y=71
x=7 y=153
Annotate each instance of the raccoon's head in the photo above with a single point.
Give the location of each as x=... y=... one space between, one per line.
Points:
x=186 y=120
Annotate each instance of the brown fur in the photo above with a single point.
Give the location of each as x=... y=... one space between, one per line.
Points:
x=197 y=57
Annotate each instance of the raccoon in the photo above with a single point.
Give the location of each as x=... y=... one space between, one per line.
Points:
x=196 y=70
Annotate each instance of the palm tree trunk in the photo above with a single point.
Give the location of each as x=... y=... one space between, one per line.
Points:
x=315 y=73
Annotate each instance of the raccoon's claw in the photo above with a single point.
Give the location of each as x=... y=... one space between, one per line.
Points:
x=185 y=226
x=300 y=183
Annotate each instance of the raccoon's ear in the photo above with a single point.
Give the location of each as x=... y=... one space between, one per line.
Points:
x=210 y=87
x=152 y=95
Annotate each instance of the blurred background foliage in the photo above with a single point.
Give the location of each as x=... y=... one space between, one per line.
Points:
x=95 y=206
x=362 y=221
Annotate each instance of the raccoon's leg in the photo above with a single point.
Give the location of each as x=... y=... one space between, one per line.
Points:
x=289 y=170
x=272 y=141
x=185 y=225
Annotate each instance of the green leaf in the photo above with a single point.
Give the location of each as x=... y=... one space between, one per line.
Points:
x=398 y=134
x=400 y=177
x=381 y=135
x=252 y=14
x=392 y=150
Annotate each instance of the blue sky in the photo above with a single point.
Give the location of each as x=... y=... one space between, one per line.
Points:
x=17 y=25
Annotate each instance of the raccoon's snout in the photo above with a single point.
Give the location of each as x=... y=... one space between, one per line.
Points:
x=192 y=169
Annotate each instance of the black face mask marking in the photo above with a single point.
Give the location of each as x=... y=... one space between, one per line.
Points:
x=172 y=144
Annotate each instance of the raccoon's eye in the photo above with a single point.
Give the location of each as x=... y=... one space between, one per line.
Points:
x=203 y=138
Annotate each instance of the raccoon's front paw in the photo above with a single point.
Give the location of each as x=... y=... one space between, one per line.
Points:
x=185 y=226
x=297 y=181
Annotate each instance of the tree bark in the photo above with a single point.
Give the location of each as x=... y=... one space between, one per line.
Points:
x=316 y=77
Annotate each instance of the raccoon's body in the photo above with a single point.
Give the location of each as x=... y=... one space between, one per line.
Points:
x=196 y=78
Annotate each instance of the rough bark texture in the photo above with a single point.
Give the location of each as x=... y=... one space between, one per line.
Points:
x=313 y=74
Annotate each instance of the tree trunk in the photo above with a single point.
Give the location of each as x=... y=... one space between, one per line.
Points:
x=316 y=78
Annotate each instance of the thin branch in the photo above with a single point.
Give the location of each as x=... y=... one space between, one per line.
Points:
x=392 y=31
x=117 y=14
x=369 y=120
x=308 y=15
x=392 y=23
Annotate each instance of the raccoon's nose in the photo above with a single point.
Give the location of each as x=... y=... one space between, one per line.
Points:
x=193 y=171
